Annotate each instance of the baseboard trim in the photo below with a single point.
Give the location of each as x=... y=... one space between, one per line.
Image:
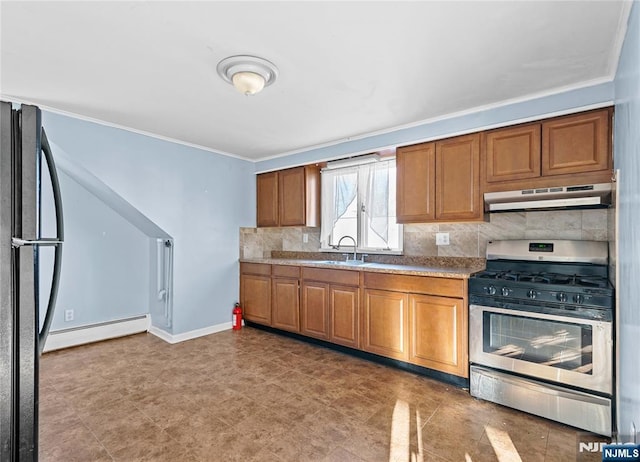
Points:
x=95 y=333
x=177 y=338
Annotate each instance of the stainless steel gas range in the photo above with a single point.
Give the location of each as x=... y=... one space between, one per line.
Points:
x=540 y=330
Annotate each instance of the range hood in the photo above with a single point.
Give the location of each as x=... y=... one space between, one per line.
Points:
x=584 y=196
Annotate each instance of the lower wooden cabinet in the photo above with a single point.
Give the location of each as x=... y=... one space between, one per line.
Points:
x=255 y=298
x=285 y=310
x=438 y=338
x=385 y=328
x=418 y=319
x=344 y=303
x=315 y=309
x=285 y=297
x=329 y=308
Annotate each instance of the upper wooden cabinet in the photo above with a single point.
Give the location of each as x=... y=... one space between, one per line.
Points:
x=513 y=153
x=562 y=151
x=578 y=143
x=289 y=197
x=458 y=179
x=416 y=183
x=439 y=181
x=267 y=199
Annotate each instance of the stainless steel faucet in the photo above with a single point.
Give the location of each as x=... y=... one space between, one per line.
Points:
x=355 y=246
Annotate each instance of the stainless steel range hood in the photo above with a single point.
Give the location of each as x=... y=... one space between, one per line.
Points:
x=560 y=197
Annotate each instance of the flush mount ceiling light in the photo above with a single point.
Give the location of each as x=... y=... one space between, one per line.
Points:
x=249 y=74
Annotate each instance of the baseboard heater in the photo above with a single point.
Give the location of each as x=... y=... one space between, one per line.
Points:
x=74 y=336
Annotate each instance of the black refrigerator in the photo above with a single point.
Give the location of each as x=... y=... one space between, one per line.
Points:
x=25 y=156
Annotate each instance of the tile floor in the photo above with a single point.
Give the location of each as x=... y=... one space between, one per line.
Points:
x=256 y=396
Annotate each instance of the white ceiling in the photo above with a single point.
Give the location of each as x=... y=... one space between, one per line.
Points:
x=346 y=68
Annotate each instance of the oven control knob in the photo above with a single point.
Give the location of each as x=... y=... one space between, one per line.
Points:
x=491 y=290
x=505 y=291
x=578 y=298
x=561 y=297
x=531 y=293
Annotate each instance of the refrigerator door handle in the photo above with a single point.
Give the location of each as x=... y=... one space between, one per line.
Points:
x=57 y=242
x=17 y=242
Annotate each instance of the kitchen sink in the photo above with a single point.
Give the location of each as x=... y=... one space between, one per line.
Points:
x=343 y=263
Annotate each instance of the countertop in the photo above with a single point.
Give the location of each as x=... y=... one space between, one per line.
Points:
x=443 y=267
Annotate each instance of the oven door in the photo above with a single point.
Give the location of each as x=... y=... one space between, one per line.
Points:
x=564 y=350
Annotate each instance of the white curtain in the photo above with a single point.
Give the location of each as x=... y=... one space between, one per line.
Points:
x=339 y=188
x=377 y=199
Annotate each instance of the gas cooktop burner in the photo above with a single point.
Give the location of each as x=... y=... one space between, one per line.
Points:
x=546 y=278
x=567 y=277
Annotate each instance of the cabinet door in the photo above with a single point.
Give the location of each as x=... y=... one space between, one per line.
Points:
x=415 y=183
x=343 y=315
x=458 y=179
x=267 y=199
x=256 y=298
x=512 y=153
x=291 y=184
x=315 y=310
x=574 y=144
x=438 y=333
x=385 y=327
x=285 y=306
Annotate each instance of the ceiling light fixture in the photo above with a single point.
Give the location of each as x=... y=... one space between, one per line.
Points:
x=249 y=74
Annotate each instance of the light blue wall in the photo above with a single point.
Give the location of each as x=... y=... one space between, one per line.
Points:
x=105 y=269
x=601 y=94
x=128 y=216
x=627 y=159
x=198 y=197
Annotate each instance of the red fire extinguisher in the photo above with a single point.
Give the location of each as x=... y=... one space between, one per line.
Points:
x=236 y=322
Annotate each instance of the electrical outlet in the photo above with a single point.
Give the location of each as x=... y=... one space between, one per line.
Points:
x=305 y=238
x=442 y=238
x=68 y=315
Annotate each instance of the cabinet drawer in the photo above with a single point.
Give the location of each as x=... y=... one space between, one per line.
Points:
x=255 y=268
x=286 y=271
x=415 y=284
x=344 y=277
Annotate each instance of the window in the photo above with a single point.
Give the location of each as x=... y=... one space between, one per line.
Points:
x=360 y=202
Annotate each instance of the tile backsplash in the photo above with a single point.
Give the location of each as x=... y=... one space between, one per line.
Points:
x=466 y=239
